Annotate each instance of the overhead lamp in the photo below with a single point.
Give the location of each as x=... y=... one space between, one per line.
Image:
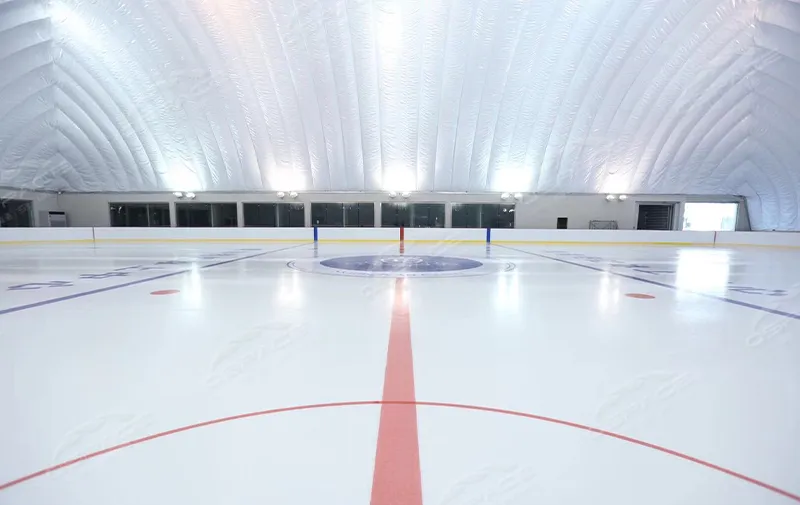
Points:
x=190 y=195
x=293 y=194
x=622 y=198
x=392 y=194
x=505 y=196
x=281 y=194
x=611 y=198
x=518 y=196
x=178 y=194
x=406 y=194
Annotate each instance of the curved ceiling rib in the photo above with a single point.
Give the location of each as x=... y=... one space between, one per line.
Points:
x=656 y=96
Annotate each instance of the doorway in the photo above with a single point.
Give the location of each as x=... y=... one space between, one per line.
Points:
x=656 y=216
x=710 y=216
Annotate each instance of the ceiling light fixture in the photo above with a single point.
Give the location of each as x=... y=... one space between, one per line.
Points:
x=293 y=194
x=392 y=194
x=178 y=194
x=622 y=198
x=505 y=196
x=611 y=198
x=190 y=195
x=406 y=194
x=281 y=194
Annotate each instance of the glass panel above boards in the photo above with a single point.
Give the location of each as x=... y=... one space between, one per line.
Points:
x=140 y=214
x=483 y=215
x=283 y=215
x=412 y=215
x=206 y=215
x=343 y=214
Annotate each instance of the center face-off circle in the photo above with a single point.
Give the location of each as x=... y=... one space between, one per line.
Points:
x=408 y=265
x=401 y=264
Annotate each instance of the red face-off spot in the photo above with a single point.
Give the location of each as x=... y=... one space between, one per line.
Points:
x=166 y=292
x=640 y=296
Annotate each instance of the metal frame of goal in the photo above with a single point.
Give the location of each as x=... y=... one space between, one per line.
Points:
x=603 y=225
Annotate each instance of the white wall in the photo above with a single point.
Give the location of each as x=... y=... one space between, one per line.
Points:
x=533 y=211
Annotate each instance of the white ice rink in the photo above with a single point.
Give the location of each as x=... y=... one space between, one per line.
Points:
x=535 y=378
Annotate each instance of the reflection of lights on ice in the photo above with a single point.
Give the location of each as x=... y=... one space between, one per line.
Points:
x=290 y=291
x=702 y=270
x=507 y=298
x=192 y=289
x=608 y=295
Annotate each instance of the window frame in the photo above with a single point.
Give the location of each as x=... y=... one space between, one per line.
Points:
x=148 y=216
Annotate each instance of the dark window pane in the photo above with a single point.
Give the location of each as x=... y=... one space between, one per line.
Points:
x=352 y=212
x=291 y=215
x=359 y=214
x=128 y=214
x=194 y=214
x=366 y=214
x=261 y=214
x=327 y=214
x=159 y=214
x=497 y=216
x=119 y=214
x=15 y=214
x=466 y=215
x=427 y=215
x=224 y=215
x=395 y=214
x=139 y=214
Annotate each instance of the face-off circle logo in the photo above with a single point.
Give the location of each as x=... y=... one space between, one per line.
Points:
x=400 y=266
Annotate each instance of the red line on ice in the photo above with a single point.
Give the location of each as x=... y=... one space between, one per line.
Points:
x=397 y=477
x=462 y=406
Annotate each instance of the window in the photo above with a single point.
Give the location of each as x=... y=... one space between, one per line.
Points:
x=483 y=215
x=466 y=216
x=158 y=214
x=497 y=216
x=291 y=215
x=223 y=215
x=261 y=214
x=206 y=215
x=139 y=214
x=413 y=215
x=343 y=214
x=359 y=214
x=395 y=214
x=274 y=214
x=327 y=214
x=193 y=214
x=16 y=214
x=710 y=216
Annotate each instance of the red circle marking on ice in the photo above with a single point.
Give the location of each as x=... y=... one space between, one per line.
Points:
x=640 y=296
x=166 y=292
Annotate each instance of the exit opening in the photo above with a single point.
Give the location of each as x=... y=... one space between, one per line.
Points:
x=710 y=216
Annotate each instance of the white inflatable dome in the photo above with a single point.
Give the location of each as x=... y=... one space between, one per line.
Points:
x=597 y=96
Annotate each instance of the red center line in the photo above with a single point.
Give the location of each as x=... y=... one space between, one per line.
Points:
x=397 y=477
